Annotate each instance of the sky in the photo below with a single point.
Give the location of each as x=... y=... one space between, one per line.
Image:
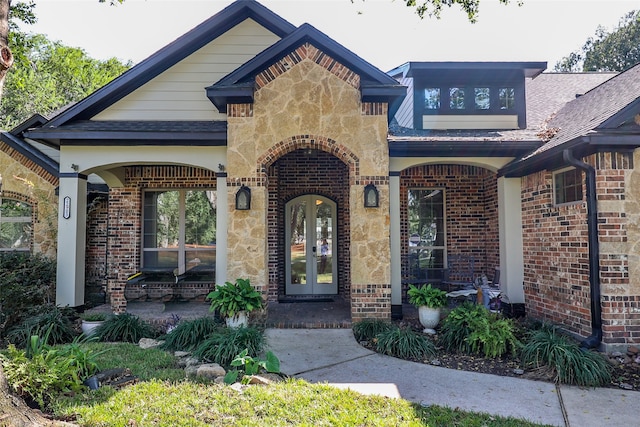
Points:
x=385 y=33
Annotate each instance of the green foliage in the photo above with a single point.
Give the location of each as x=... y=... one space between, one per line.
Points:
x=368 y=329
x=190 y=333
x=614 y=50
x=222 y=346
x=404 y=344
x=427 y=295
x=433 y=8
x=231 y=298
x=53 y=320
x=26 y=283
x=471 y=328
x=251 y=366
x=48 y=75
x=571 y=364
x=94 y=317
x=126 y=328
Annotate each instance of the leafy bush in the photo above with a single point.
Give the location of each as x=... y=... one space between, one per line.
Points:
x=427 y=296
x=50 y=319
x=190 y=333
x=570 y=363
x=251 y=366
x=367 y=330
x=404 y=343
x=223 y=346
x=26 y=281
x=231 y=298
x=126 y=328
x=471 y=328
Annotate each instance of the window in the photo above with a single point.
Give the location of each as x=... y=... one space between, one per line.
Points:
x=507 y=98
x=482 y=98
x=432 y=98
x=426 y=234
x=567 y=186
x=15 y=225
x=456 y=98
x=179 y=230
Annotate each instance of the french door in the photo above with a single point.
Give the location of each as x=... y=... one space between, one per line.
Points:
x=311 y=266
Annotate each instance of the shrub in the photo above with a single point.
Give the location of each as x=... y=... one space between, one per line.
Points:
x=190 y=333
x=26 y=281
x=231 y=298
x=53 y=320
x=366 y=330
x=427 y=296
x=126 y=328
x=570 y=363
x=404 y=343
x=471 y=328
x=246 y=366
x=222 y=346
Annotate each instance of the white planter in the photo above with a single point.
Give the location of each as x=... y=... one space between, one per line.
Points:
x=239 y=320
x=429 y=318
x=89 y=326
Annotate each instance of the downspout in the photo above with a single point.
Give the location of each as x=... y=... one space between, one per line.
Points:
x=594 y=250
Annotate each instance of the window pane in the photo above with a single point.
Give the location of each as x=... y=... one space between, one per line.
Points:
x=200 y=230
x=15 y=225
x=568 y=186
x=160 y=259
x=432 y=98
x=14 y=208
x=456 y=98
x=482 y=98
x=507 y=98
x=161 y=219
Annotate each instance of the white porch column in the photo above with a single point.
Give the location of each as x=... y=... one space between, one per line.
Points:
x=72 y=230
x=510 y=228
x=396 y=248
x=222 y=214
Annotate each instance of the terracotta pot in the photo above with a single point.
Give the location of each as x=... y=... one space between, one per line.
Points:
x=429 y=318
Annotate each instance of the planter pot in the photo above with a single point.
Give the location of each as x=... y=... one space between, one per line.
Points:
x=239 y=320
x=89 y=326
x=429 y=318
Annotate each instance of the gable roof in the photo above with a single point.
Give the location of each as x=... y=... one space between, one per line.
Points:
x=238 y=86
x=596 y=118
x=166 y=57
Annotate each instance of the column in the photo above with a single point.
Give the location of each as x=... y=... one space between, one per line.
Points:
x=222 y=215
x=396 y=242
x=72 y=230
x=511 y=246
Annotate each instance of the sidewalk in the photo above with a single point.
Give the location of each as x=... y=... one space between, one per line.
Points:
x=333 y=356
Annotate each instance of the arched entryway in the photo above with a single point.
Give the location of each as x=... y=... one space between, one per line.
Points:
x=316 y=182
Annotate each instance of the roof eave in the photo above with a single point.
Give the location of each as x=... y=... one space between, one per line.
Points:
x=38 y=157
x=455 y=148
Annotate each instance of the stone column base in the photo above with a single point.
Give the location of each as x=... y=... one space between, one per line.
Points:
x=370 y=302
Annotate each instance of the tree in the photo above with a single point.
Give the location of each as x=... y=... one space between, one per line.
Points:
x=607 y=51
x=48 y=75
x=433 y=8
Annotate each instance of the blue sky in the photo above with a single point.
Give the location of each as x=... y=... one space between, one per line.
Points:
x=383 y=32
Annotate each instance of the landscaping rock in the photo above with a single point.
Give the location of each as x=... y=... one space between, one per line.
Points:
x=518 y=371
x=265 y=379
x=146 y=343
x=187 y=361
x=180 y=354
x=626 y=386
x=211 y=371
x=191 y=371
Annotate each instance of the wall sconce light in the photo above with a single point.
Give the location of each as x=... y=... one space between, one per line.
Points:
x=243 y=199
x=371 y=196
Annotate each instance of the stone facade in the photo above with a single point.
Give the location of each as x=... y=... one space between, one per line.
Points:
x=27 y=182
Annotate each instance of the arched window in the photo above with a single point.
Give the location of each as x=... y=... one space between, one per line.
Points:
x=15 y=225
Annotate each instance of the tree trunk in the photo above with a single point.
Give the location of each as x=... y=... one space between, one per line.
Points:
x=15 y=413
x=6 y=57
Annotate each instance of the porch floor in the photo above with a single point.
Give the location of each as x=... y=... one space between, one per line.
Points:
x=321 y=314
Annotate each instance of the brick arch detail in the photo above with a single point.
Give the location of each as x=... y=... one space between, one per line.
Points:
x=298 y=142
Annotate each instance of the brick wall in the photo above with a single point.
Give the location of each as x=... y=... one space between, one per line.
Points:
x=556 y=254
x=470 y=208
x=96 y=251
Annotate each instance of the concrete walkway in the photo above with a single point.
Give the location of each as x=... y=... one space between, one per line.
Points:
x=333 y=356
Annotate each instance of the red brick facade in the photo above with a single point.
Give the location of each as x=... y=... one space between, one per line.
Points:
x=556 y=254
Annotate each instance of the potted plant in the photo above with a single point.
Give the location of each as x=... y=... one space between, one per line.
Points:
x=91 y=322
x=429 y=301
x=234 y=301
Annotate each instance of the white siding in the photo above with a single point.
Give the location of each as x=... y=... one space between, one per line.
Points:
x=470 y=122
x=404 y=116
x=179 y=93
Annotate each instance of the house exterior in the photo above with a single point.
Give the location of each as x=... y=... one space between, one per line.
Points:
x=251 y=148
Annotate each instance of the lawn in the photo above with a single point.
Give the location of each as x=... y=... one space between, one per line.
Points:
x=164 y=398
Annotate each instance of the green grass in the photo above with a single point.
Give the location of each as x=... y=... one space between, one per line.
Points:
x=161 y=402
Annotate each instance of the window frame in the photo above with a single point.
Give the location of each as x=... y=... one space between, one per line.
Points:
x=577 y=184
x=29 y=220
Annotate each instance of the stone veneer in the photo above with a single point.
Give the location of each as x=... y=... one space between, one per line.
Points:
x=307 y=100
x=24 y=180
x=556 y=251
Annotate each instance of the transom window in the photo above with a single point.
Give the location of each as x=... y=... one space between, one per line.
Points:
x=456 y=98
x=507 y=96
x=482 y=98
x=15 y=225
x=426 y=245
x=567 y=186
x=179 y=230
x=432 y=98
